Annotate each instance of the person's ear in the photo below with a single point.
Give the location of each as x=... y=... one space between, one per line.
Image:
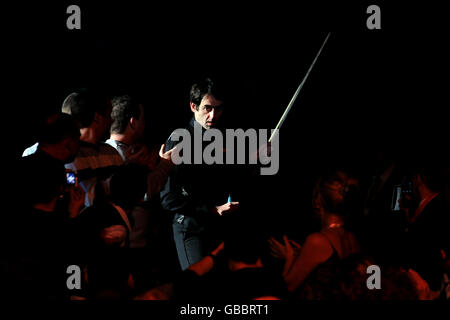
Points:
x=66 y=144
x=193 y=106
x=132 y=122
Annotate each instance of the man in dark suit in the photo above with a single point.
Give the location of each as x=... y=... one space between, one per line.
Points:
x=427 y=239
x=194 y=192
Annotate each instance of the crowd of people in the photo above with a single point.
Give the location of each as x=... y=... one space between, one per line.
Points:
x=93 y=194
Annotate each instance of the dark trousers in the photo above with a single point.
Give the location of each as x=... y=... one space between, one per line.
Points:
x=188 y=234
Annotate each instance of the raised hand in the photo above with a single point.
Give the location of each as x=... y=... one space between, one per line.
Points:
x=76 y=200
x=283 y=251
x=114 y=234
x=166 y=155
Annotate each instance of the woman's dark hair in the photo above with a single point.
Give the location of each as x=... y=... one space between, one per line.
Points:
x=321 y=190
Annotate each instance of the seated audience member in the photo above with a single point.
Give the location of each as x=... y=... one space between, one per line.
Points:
x=231 y=272
x=350 y=281
x=43 y=245
x=59 y=142
x=396 y=283
x=108 y=225
x=427 y=240
x=354 y=201
x=30 y=150
x=392 y=166
x=58 y=138
x=313 y=264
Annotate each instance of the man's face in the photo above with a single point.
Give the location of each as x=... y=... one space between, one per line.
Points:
x=104 y=123
x=209 y=111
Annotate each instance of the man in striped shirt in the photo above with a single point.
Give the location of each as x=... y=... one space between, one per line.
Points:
x=96 y=161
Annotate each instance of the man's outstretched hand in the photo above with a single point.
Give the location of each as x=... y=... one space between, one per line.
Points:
x=227 y=208
x=166 y=155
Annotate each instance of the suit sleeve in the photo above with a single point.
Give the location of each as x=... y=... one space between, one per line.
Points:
x=175 y=199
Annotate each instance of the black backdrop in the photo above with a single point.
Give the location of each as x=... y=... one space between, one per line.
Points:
x=371 y=90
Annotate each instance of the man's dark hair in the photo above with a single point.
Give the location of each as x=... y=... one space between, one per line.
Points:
x=83 y=104
x=124 y=108
x=203 y=87
x=57 y=127
x=128 y=185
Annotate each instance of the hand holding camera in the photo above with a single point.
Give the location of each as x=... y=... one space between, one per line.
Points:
x=71 y=178
x=76 y=194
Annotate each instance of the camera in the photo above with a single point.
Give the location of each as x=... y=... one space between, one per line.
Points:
x=71 y=178
x=402 y=191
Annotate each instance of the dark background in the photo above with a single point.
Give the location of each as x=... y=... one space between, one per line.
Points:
x=371 y=92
